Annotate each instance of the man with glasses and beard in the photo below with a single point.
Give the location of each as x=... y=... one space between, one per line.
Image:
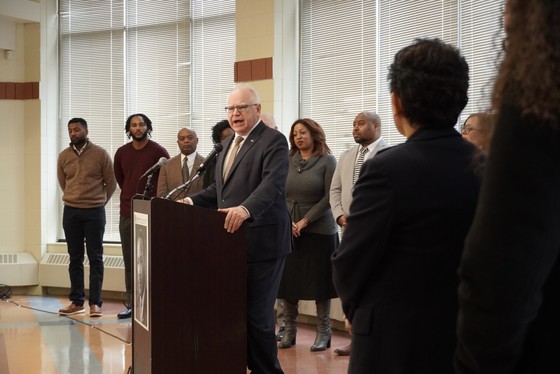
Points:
x=131 y=162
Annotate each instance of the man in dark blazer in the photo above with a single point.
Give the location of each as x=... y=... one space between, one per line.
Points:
x=395 y=270
x=171 y=174
x=252 y=191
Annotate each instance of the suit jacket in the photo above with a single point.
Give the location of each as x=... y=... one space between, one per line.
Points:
x=509 y=314
x=257 y=181
x=396 y=269
x=341 y=185
x=171 y=176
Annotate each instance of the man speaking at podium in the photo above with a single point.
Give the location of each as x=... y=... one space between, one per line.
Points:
x=250 y=179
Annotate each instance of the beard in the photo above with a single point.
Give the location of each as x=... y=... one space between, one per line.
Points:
x=139 y=138
x=78 y=141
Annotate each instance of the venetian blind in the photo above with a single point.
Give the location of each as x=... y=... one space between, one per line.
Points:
x=126 y=56
x=91 y=76
x=481 y=35
x=213 y=58
x=334 y=87
x=157 y=66
x=338 y=65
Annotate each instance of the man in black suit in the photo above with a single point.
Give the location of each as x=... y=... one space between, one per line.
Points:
x=249 y=187
x=395 y=270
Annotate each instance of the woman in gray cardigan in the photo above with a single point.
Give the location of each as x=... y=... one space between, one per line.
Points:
x=307 y=271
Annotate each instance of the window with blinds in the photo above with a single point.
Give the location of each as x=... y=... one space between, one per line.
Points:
x=347 y=47
x=127 y=56
x=213 y=58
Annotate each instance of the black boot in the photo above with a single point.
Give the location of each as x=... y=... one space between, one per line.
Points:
x=280 y=318
x=281 y=332
x=323 y=339
x=290 y=328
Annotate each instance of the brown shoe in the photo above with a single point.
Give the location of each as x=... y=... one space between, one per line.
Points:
x=344 y=351
x=71 y=310
x=95 y=311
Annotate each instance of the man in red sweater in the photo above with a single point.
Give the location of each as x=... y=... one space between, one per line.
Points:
x=131 y=161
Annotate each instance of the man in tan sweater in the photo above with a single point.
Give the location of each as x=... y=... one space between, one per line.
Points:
x=85 y=174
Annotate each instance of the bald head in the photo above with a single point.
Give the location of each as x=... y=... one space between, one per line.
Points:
x=269 y=120
x=187 y=140
x=366 y=128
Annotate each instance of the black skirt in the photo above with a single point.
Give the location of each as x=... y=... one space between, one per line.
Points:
x=308 y=271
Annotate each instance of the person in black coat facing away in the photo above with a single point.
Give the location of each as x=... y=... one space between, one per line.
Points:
x=396 y=268
x=509 y=295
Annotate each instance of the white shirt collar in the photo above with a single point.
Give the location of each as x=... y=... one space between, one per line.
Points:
x=372 y=146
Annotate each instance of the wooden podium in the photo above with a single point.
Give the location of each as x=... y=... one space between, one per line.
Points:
x=191 y=314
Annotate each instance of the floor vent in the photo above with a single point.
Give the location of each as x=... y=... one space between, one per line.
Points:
x=18 y=269
x=54 y=271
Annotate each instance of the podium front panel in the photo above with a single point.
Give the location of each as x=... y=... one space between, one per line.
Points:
x=196 y=291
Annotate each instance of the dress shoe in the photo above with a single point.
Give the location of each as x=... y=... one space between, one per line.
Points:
x=280 y=333
x=71 y=310
x=127 y=313
x=344 y=351
x=95 y=311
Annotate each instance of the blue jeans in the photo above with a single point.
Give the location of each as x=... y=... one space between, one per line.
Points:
x=88 y=224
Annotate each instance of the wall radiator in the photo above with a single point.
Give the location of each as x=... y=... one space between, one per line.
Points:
x=53 y=272
x=18 y=269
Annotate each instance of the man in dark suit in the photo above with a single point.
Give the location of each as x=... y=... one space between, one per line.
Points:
x=176 y=172
x=249 y=187
x=395 y=270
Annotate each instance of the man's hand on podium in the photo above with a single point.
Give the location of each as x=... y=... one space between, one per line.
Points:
x=234 y=218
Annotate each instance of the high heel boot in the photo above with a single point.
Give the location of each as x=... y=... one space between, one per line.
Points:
x=290 y=329
x=324 y=332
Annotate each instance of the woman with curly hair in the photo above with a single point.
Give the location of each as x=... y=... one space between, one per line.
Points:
x=509 y=316
x=220 y=131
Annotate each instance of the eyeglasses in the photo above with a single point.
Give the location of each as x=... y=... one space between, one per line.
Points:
x=240 y=108
x=466 y=130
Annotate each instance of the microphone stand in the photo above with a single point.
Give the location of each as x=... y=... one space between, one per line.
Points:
x=199 y=172
x=179 y=190
x=149 y=188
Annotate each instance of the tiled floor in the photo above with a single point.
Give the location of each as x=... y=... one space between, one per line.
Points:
x=35 y=339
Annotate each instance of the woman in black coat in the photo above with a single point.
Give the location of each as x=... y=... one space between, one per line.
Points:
x=396 y=269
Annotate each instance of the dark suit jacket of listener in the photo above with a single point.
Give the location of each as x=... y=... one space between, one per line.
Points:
x=257 y=181
x=171 y=176
x=396 y=268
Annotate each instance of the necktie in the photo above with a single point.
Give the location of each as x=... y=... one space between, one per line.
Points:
x=234 y=150
x=359 y=162
x=185 y=170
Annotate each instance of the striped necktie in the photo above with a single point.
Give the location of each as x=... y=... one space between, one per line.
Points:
x=359 y=162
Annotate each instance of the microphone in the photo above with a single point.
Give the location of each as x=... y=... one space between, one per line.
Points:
x=162 y=161
x=201 y=169
x=217 y=149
